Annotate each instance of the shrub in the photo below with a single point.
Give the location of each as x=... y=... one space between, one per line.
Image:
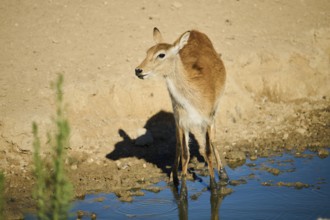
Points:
x=53 y=191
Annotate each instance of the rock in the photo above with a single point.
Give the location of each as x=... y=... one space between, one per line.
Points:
x=153 y=189
x=124 y=196
x=297 y=185
x=80 y=214
x=144 y=137
x=251 y=164
x=93 y=216
x=323 y=153
x=99 y=199
x=251 y=176
x=266 y=183
x=137 y=193
x=273 y=171
x=118 y=164
x=121 y=165
x=237 y=182
x=236 y=156
x=253 y=157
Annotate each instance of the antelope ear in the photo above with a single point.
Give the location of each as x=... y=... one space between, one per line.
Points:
x=157 y=36
x=182 y=41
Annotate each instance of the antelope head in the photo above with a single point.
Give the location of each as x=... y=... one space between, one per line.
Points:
x=161 y=58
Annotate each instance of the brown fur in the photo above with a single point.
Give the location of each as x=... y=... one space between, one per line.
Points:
x=204 y=68
x=195 y=77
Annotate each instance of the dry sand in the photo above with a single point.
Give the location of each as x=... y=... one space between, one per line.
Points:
x=277 y=56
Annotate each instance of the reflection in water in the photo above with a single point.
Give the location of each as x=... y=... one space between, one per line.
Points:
x=181 y=199
x=215 y=201
x=217 y=194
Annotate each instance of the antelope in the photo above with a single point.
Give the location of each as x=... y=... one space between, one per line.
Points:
x=195 y=77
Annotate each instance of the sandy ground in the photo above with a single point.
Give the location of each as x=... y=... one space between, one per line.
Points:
x=277 y=56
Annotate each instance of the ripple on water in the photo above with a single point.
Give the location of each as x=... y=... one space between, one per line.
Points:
x=147 y=207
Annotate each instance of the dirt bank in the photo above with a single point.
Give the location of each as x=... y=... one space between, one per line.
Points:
x=277 y=55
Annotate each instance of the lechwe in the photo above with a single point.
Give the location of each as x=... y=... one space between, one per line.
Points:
x=195 y=78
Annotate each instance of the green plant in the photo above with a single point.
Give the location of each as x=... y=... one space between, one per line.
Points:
x=53 y=191
x=40 y=189
x=2 y=199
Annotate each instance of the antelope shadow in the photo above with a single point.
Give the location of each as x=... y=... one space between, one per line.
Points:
x=162 y=151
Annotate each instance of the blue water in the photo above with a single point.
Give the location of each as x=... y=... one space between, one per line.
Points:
x=253 y=201
x=247 y=201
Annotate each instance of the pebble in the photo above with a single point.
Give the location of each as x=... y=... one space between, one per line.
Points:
x=118 y=164
x=323 y=153
x=121 y=165
x=137 y=193
x=273 y=171
x=93 y=216
x=297 y=185
x=124 y=196
x=253 y=157
x=251 y=164
x=153 y=189
x=74 y=167
x=80 y=214
x=266 y=183
x=126 y=199
x=237 y=182
x=236 y=156
x=99 y=199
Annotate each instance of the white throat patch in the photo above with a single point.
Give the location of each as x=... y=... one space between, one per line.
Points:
x=193 y=116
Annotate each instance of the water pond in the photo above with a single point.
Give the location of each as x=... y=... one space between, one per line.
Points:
x=281 y=187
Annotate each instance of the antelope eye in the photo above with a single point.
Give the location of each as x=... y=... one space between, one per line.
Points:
x=161 y=55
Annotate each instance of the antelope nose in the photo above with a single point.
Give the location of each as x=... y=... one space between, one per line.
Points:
x=138 y=71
